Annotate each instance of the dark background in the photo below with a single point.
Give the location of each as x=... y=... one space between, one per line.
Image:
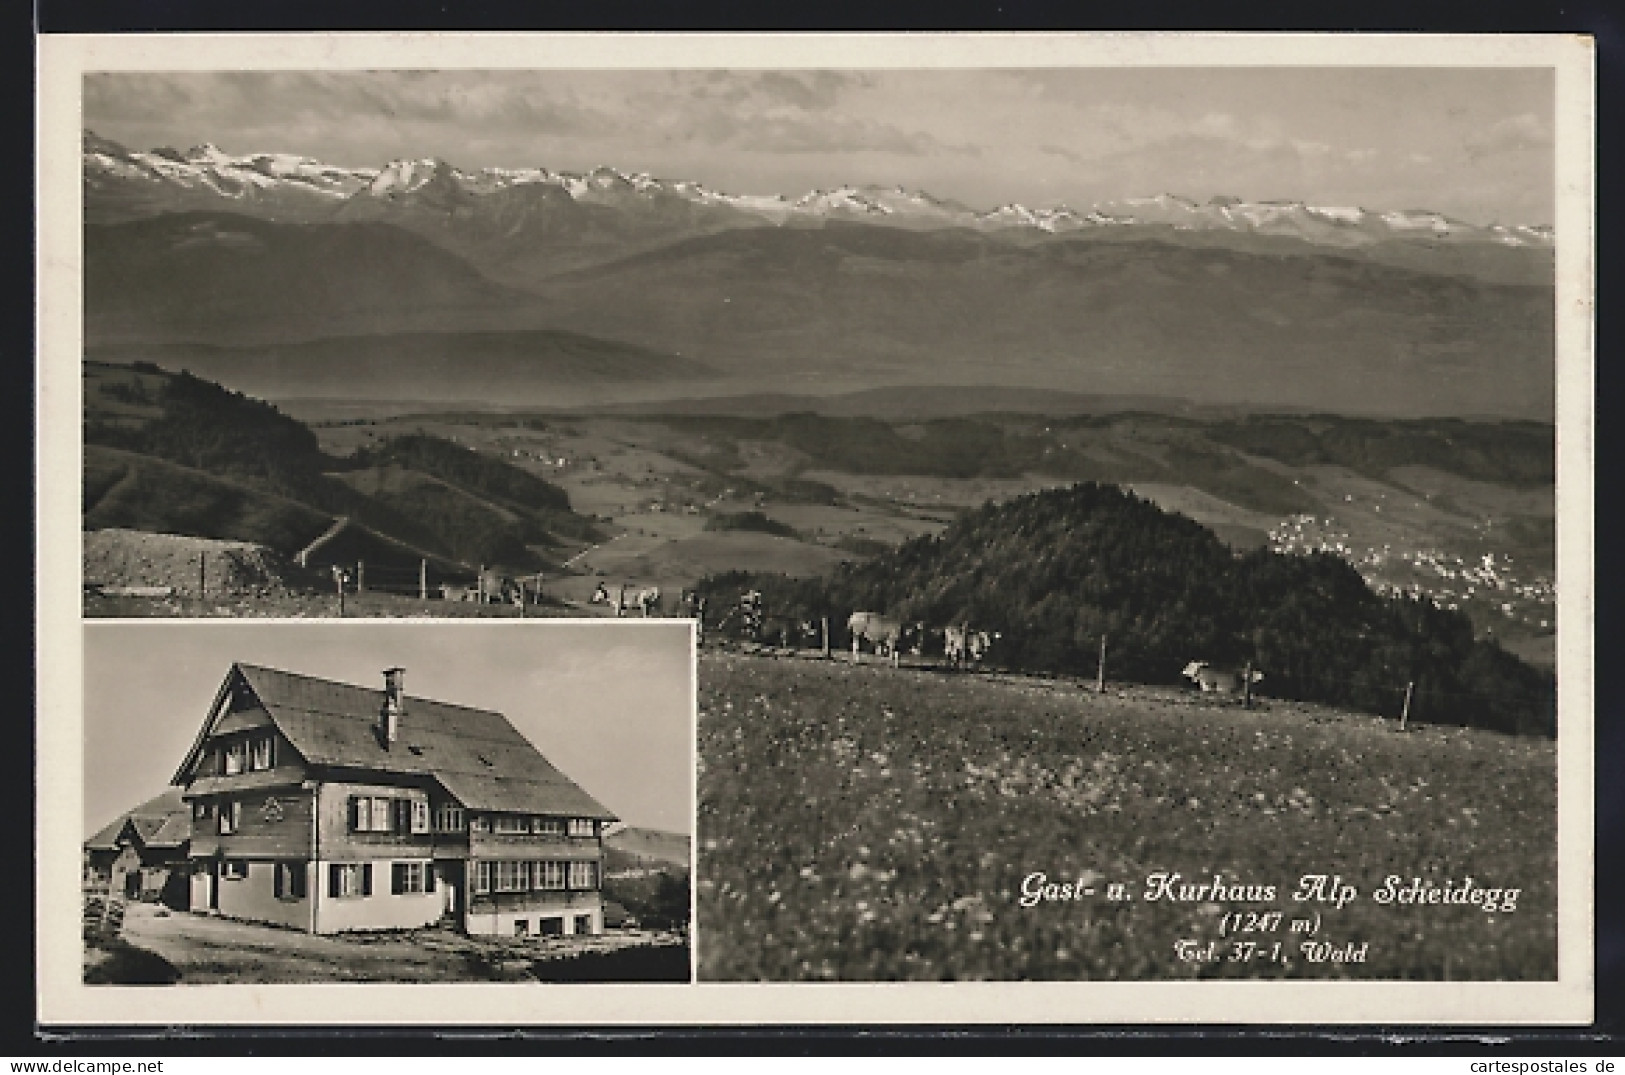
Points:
x=19 y=1036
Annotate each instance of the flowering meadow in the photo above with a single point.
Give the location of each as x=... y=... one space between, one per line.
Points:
x=864 y=823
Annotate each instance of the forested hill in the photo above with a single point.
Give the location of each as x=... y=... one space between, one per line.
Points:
x=1054 y=571
x=245 y=471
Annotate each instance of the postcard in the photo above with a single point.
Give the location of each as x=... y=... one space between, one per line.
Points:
x=574 y=530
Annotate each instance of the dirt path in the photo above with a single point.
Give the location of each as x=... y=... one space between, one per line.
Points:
x=212 y=950
x=205 y=949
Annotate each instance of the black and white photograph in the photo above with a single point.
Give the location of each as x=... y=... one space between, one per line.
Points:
x=387 y=803
x=1130 y=498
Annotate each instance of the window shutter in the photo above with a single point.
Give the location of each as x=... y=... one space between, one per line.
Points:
x=335 y=879
x=366 y=879
x=276 y=885
x=355 y=813
x=428 y=877
x=397 y=878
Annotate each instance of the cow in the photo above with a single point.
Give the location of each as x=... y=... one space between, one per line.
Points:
x=1219 y=681
x=978 y=644
x=645 y=599
x=449 y=592
x=953 y=645
x=885 y=634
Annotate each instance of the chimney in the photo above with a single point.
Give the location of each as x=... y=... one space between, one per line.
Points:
x=389 y=721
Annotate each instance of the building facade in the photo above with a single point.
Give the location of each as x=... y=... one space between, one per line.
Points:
x=329 y=807
x=143 y=854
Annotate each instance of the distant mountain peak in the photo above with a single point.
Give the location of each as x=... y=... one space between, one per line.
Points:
x=207 y=169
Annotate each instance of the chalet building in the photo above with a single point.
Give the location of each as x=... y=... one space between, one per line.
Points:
x=143 y=854
x=329 y=807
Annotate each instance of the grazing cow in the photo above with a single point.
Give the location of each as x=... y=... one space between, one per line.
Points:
x=1218 y=681
x=956 y=644
x=885 y=634
x=978 y=644
x=645 y=599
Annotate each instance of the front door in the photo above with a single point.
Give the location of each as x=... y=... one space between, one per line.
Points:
x=450 y=878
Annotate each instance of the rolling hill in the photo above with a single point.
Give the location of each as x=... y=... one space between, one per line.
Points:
x=176 y=454
x=1315 y=330
x=225 y=277
x=1055 y=571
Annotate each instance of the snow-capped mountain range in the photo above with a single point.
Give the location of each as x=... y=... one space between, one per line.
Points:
x=294 y=182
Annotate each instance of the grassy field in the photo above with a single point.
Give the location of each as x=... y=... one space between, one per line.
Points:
x=864 y=823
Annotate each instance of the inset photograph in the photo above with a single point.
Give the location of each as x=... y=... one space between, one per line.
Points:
x=392 y=802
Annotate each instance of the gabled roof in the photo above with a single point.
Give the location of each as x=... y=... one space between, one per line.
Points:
x=475 y=754
x=164 y=821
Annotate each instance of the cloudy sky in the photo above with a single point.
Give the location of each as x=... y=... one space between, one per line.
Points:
x=609 y=703
x=1472 y=142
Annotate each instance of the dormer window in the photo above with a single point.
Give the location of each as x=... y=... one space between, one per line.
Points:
x=262 y=752
x=235 y=759
x=581 y=826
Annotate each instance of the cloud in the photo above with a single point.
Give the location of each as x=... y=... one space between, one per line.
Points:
x=1063 y=153
x=1514 y=134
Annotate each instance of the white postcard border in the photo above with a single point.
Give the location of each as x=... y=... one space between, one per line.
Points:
x=64 y=1000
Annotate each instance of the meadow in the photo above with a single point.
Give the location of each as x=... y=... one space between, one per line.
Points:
x=859 y=823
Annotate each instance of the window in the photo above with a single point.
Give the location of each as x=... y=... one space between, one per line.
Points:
x=552 y=925
x=583 y=875
x=482 y=877
x=508 y=823
x=231 y=817
x=234 y=870
x=479 y=824
x=290 y=881
x=448 y=819
x=369 y=813
x=400 y=819
x=550 y=875
x=235 y=756
x=261 y=753
x=410 y=878
x=580 y=826
x=420 y=815
x=349 y=879
x=521 y=927
x=550 y=826
x=512 y=876
x=583 y=923
x=202 y=811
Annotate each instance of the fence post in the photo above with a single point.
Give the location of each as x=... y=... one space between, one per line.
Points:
x=1405 y=712
x=360 y=576
x=423 y=580
x=481 y=584
x=1247 y=686
x=338 y=580
x=1100 y=673
x=823 y=634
